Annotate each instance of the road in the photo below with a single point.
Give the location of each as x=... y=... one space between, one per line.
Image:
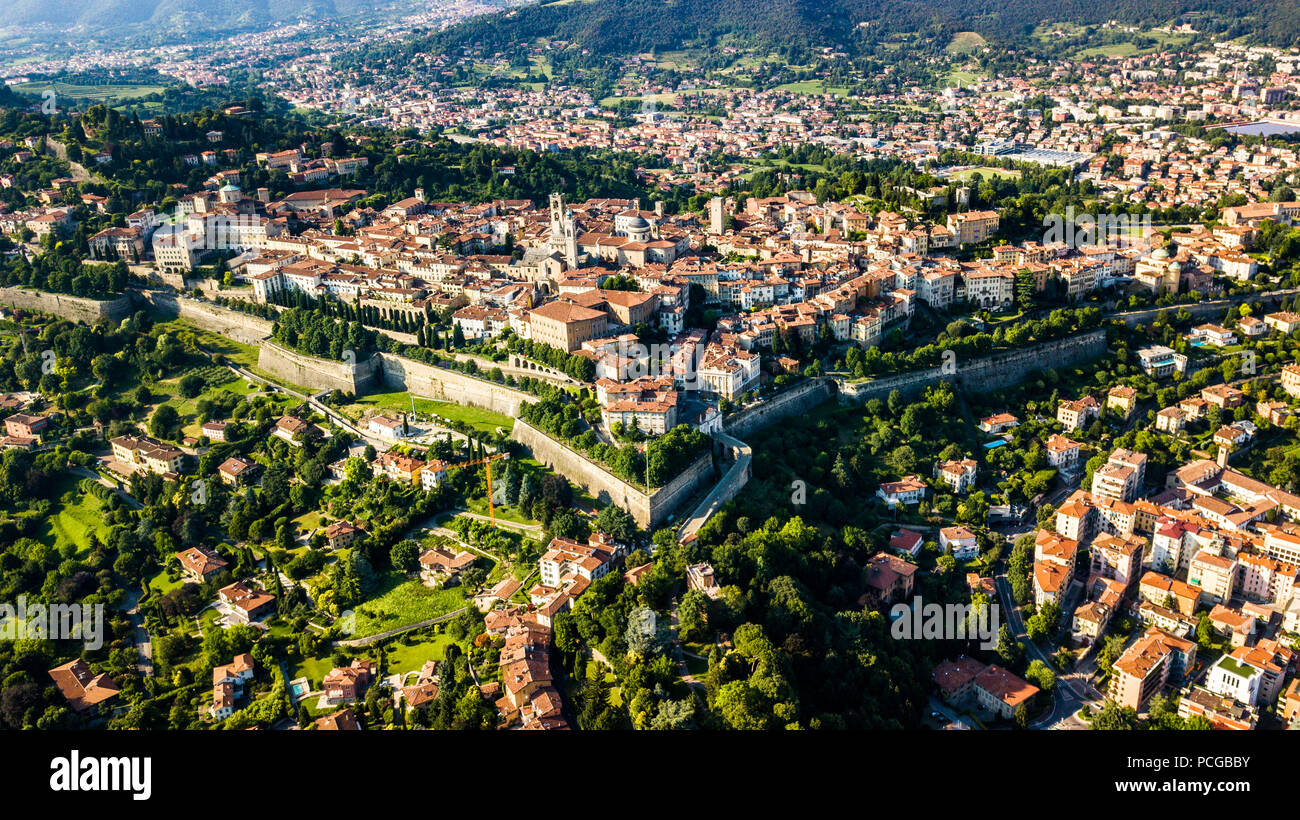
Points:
x=143 y=644
x=379 y=444
x=369 y=639
x=1073 y=688
x=722 y=491
x=125 y=496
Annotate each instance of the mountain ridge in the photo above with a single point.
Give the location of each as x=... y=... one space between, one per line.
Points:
x=634 y=26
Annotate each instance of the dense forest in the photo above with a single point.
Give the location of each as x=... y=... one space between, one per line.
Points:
x=802 y=28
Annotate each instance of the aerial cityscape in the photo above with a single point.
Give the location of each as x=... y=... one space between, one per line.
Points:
x=582 y=365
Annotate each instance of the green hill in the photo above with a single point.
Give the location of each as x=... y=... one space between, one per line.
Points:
x=623 y=27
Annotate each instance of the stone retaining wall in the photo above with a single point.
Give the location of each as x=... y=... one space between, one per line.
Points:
x=648 y=510
x=75 y=308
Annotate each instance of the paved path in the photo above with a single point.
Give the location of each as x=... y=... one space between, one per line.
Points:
x=501 y=522
x=125 y=496
x=329 y=413
x=1073 y=690
x=724 y=490
x=369 y=639
x=143 y=644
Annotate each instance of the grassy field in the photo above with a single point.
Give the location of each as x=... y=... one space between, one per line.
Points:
x=401 y=601
x=1109 y=50
x=237 y=352
x=964 y=42
x=814 y=87
x=1122 y=42
x=986 y=173
x=88 y=93
x=482 y=420
x=958 y=77
x=676 y=60
x=75 y=524
x=403 y=658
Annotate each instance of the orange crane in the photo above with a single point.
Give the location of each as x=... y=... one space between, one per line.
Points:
x=487 y=465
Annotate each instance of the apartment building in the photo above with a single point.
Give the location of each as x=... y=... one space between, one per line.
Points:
x=565 y=556
x=973 y=226
x=1122 y=476
x=1062 y=453
x=1078 y=413
x=1291 y=380
x=142 y=451
x=1148 y=665
x=908 y=490
x=1215 y=575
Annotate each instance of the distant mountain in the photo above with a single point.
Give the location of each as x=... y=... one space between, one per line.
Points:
x=166 y=19
x=615 y=27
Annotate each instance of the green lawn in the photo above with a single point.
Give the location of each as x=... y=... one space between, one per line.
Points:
x=814 y=87
x=215 y=343
x=309 y=521
x=161 y=584
x=401 y=601
x=482 y=420
x=987 y=173
x=480 y=506
x=403 y=658
x=76 y=523
x=314 y=669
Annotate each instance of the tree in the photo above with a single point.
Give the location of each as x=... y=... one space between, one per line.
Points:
x=1041 y=675
x=1009 y=649
x=406 y=555
x=693 y=616
x=165 y=422
x=190 y=385
x=1114 y=717
x=617 y=522
x=742 y=706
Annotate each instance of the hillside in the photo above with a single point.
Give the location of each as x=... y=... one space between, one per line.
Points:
x=184 y=19
x=612 y=27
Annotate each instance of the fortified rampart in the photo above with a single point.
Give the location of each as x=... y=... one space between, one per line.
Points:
x=648 y=510
x=317 y=374
x=75 y=308
x=985 y=373
x=401 y=373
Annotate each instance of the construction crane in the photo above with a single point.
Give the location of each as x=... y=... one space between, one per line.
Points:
x=487 y=465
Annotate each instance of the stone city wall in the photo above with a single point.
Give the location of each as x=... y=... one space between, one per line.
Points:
x=74 y=308
x=648 y=510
